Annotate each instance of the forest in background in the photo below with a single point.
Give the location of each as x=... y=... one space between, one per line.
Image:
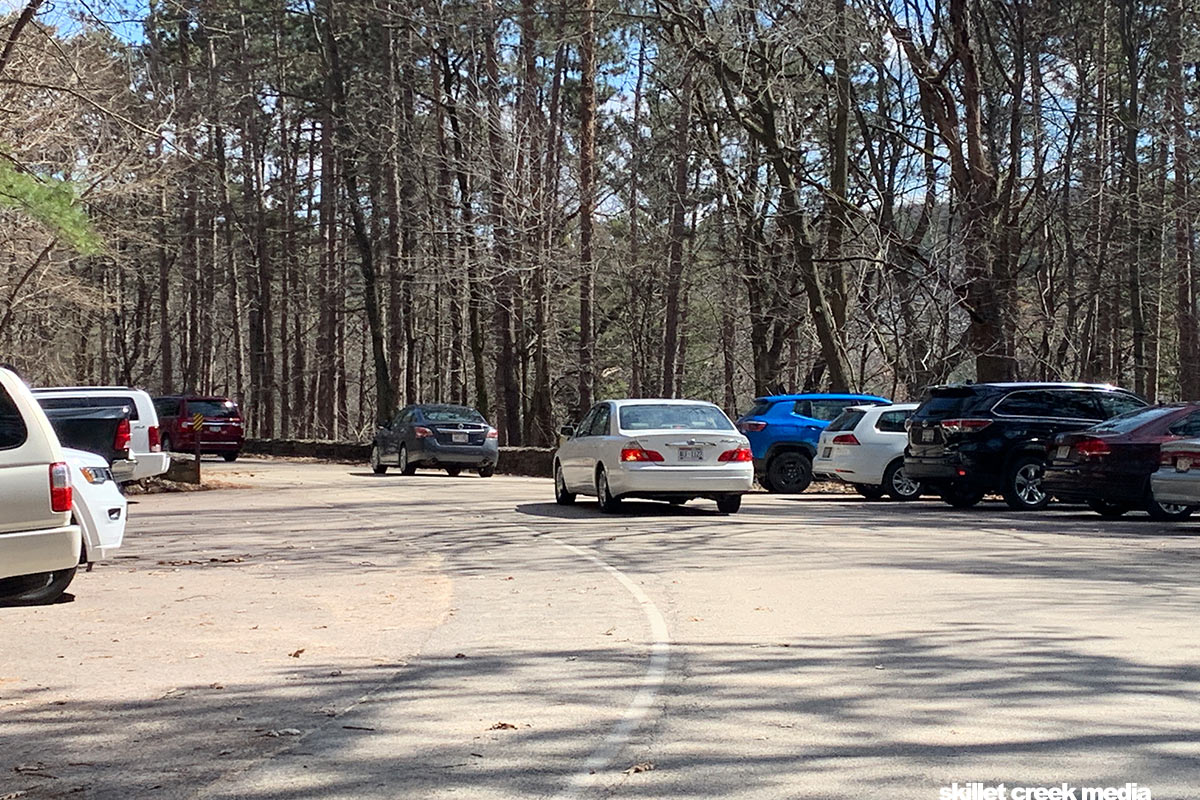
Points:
x=328 y=209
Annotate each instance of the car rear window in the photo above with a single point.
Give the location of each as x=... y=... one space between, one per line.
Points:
x=213 y=409
x=451 y=414
x=90 y=401
x=658 y=416
x=1132 y=420
x=824 y=410
x=13 y=432
x=760 y=407
x=948 y=402
x=846 y=421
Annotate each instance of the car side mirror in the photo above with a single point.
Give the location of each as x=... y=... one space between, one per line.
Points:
x=567 y=431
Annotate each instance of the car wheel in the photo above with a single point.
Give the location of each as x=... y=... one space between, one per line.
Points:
x=729 y=504
x=897 y=483
x=230 y=457
x=166 y=444
x=406 y=466
x=561 y=495
x=1167 y=512
x=35 y=590
x=453 y=472
x=960 y=496
x=377 y=466
x=789 y=473
x=487 y=470
x=1023 y=485
x=1107 y=509
x=869 y=491
x=604 y=495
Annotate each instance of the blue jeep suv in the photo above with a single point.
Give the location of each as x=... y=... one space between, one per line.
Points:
x=783 y=430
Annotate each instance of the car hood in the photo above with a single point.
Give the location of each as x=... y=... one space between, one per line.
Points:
x=82 y=458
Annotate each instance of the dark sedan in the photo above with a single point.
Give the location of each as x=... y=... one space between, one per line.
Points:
x=1108 y=466
x=436 y=436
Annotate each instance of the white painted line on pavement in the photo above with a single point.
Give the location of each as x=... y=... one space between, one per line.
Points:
x=644 y=701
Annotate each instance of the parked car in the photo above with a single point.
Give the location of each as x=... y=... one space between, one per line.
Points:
x=784 y=429
x=437 y=436
x=969 y=439
x=673 y=450
x=39 y=544
x=104 y=430
x=222 y=432
x=1108 y=466
x=145 y=444
x=864 y=447
x=97 y=505
x=1177 y=481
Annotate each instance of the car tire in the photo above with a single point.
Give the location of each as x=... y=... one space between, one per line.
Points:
x=230 y=457
x=960 y=496
x=406 y=467
x=869 y=491
x=35 y=590
x=729 y=504
x=1107 y=508
x=561 y=495
x=377 y=466
x=1023 y=485
x=898 y=485
x=487 y=471
x=604 y=495
x=789 y=473
x=453 y=472
x=1167 y=512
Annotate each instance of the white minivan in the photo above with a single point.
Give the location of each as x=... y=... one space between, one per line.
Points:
x=39 y=546
x=145 y=444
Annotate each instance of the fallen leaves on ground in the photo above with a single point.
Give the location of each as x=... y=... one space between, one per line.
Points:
x=503 y=726
x=297 y=653
x=641 y=766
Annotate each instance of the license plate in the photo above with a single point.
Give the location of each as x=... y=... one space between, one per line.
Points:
x=1063 y=452
x=691 y=454
x=1183 y=464
x=927 y=435
x=459 y=438
x=827 y=452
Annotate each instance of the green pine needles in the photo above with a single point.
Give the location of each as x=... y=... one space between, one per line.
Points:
x=50 y=201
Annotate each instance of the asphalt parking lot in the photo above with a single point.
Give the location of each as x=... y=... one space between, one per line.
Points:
x=320 y=631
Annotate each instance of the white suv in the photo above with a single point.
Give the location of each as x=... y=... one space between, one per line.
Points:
x=145 y=445
x=864 y=447
x=39 y=547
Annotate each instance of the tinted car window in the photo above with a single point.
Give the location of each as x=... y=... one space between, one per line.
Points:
x=1134 y=419
x=600 y=422
x=1076 y=404
x=892 y=421
x=1030 y=403
x=948 y=402
x=166 y=408
x=1188 y=426
x=847 y=421
x=673 y=416
x=90 y=402
x=220 y=409
x=12 y=426
x=451 y=414
x=824 y=410
x=1114 y=403
x=759 y=409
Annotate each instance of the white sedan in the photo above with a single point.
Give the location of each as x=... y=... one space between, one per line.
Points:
x=864 y=447
x=1177 y=482
x=673 y=450
x=97 y=505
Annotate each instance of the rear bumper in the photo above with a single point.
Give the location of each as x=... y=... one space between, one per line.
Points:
x=951 y=469
x=651 y=480
x=1181 y=488
x=31 y=552
x=467 y=455
x=1081 y=485
x=145 y=465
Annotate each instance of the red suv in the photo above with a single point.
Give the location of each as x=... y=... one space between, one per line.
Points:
x=221 y=434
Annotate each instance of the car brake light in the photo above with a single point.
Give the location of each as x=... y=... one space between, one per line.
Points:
x=121 y=440
x=740 y=454
x=751 y=426
x=638 y=453
x=845 y=438
x=421 y=432
x=1092 y=447
x=60 y=487
x=493 y=433
x=155 y=439
x=964 y=425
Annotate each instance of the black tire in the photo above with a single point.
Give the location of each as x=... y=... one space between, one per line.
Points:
x=487 y=471
x=1107 y=509
x=898 y=485
x=1023 y=485
x=869 y=491
x=729 y=504
x=1167 y=512
x=960 y=496
x=561 y=495
x=406 y=467
x=230 y=457
x=166 y=444
x=789 y=473
x=608 y=503
x=35 y=590
x=377 y=466
x=453 y=472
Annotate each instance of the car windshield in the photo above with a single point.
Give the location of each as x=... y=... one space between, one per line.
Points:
x=213 y=409
x=451 y=414
x=674 y=416
x=1132 y=420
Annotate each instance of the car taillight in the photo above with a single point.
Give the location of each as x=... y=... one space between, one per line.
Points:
x=751 y=426
x=155 y=439
x=741 y=454
x=421 y=432
x=121 y=440
x=1092 y=448
x=60 y=487
x=845 y=438
x=493 y=433
x=640 y=454
x=1171 y=458
x=964 y=425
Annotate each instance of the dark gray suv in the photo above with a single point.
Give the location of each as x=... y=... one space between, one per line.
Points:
x=437 y=436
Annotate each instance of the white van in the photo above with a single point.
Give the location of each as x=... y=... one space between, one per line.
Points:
x=39 y=547
x=145 y=444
